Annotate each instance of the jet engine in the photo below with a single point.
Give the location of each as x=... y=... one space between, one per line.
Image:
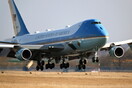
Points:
x=116 y=51
x=23 y=54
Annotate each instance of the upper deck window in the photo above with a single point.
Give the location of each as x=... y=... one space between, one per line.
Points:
x=96 y=23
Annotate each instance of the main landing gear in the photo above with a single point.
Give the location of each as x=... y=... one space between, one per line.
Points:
x=40 y=65
x=82 y=64
x=50 y=64
x=64 y=63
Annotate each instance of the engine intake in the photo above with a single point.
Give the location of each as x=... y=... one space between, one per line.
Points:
x=23 y=54
x=116 y=51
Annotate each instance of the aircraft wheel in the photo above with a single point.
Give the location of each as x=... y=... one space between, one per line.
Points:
x=37 y=68
x=68 y=65
x=50 y=66
x=97 y=60
x=93 y=59
x=47 y=66
x=79 y=67
x=61 y=66
x=85 y=61
x=53 y=65
x=42 y=68
x=80 y=62
x=42 y=62
x=65 y=66
x=84 y=66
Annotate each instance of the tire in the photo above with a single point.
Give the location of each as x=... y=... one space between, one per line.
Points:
x=79 y=67
x=37 y=68
x=42 y=63
x=84 y=66
x=47 y=66
x=93 y=60
x=97 y=60
x=50 y=66
x=65 y=66
x=85 y=61
x=68 y=65
x=53 y=65
x=80 y=62
x=42 y=68
x=61 y=66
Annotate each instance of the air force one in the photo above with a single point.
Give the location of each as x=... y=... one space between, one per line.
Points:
x=79 y=41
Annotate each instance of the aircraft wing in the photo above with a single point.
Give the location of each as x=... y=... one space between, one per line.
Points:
x=5 y=49
x=121 y=43
x=9 y=50
x=52 y=47
x=6 y=44
x=117 y=49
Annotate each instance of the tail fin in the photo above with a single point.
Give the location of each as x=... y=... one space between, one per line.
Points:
x=18 y=24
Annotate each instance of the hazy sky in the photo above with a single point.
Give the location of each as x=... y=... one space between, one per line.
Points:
x=39 y=15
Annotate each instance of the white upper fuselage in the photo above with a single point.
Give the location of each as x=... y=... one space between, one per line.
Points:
x=47 y=35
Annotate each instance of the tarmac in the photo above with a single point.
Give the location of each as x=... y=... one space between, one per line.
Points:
x=37 y=79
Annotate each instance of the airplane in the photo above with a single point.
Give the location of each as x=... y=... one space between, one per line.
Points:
x=79 y=41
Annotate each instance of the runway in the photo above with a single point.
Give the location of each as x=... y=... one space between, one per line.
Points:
x=34 y=79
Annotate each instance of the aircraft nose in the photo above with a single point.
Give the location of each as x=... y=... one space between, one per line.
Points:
x=103 y=36
x=103 y=31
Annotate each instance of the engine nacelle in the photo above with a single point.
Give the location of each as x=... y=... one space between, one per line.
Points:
x=116 y=51
x=23 y=54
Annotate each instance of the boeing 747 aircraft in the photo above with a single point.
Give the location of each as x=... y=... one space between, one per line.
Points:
x=80 y=41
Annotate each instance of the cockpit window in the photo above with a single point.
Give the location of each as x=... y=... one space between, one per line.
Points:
x=96 y=23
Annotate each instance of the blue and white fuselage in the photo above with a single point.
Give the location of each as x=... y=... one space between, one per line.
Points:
x=88 y=35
